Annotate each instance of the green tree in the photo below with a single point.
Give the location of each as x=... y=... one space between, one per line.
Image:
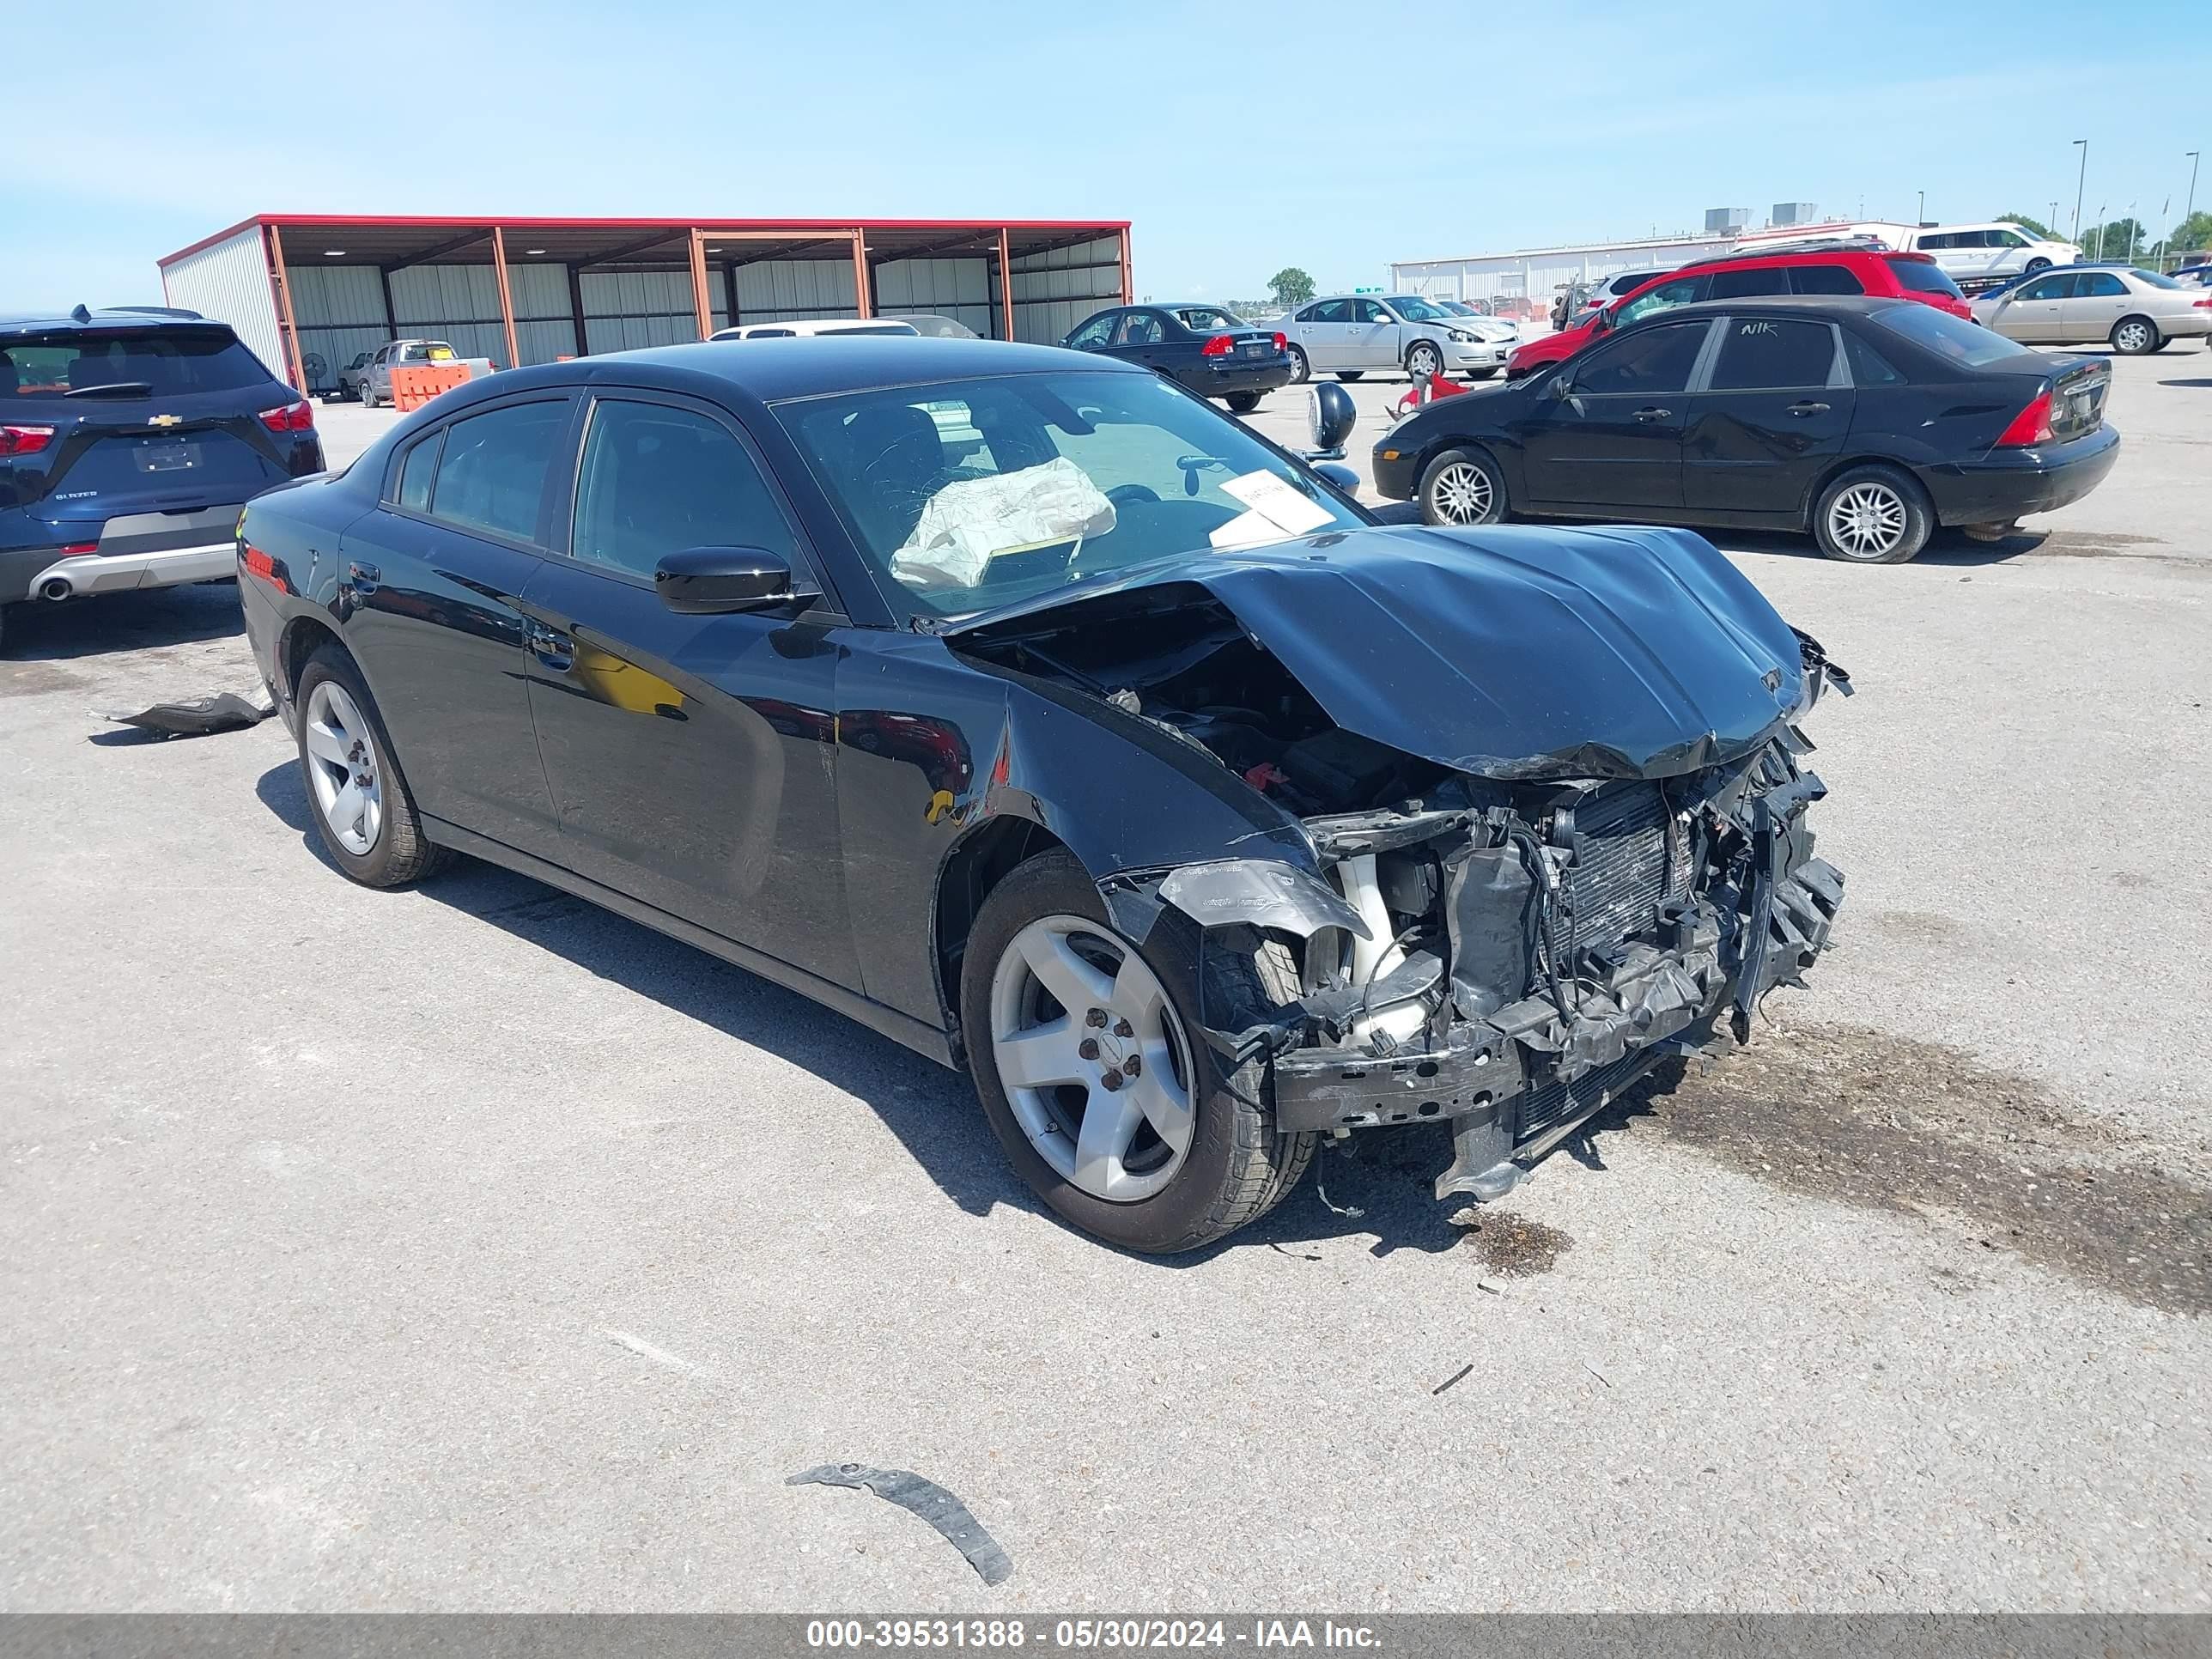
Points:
x=2115 y=239
x=2192 y=234
x=2035 y=227
x=1290 y=286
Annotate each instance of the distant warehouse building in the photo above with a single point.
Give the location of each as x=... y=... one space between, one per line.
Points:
x=310 y=291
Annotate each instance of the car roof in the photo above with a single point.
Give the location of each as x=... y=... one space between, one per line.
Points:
x=1786 y=305
x=826 y=364
x=113 y=318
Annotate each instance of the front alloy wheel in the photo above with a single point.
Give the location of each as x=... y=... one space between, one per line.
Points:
x=1423 y=359
x=1093 y=1059
x=343 y=768
x=1462 y=494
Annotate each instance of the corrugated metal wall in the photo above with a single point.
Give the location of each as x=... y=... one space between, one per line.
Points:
x=626 y=310
x=1054 y=291
x=958 y=288
x=340 y=312
x=778 y=290
x=1539 y=274
x=229 y=282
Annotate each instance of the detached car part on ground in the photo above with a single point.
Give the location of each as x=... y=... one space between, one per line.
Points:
x=1027 y=709
x=1866 y=422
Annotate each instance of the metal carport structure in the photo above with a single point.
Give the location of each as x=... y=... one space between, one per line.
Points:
x=308 y=291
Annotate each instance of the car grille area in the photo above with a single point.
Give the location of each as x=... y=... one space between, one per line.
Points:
x=1621 y=870
x=1559 y=1103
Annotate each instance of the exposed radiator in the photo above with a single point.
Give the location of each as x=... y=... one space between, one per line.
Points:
x=1621 y=871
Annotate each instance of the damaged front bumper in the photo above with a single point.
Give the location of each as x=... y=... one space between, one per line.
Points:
x=1557 y=979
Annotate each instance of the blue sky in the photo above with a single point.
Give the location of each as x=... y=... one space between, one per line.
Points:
x=1233 y=138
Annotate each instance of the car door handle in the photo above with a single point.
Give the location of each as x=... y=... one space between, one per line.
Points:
x=366 y=578
x=552 y=647
x=1650 y=414
x=1809 y=408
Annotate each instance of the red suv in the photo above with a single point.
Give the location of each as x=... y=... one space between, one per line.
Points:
x=1864 y=268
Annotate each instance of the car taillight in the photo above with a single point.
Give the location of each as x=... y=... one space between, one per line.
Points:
x=24 y=440
x=2031 y=426
x=1220 y=346
x=2202 y=305
x=1282 y=341
x=293 y=418
x=78 y=550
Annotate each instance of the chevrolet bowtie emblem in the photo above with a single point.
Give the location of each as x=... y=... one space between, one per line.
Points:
x=165 y=420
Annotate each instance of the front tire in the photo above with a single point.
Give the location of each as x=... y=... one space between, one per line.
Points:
x=1461 y=488
x=1243 y=402
x=1423 y=359
x=1301 y=370
x=2135 y=336
x=1872 y=515
x=2036 y=264
x=1175 y=1152
x=357 y=793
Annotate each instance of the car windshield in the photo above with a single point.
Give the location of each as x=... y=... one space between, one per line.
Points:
x=167 y=362
x=1924 y=276
x=1966 y=345
x=2154 y=278
x=1420 y=311
x=968 y=494
x=1200 y=318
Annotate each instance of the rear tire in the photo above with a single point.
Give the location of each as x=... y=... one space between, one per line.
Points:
x=2036 y=264
x=1244 y=402
x=1301 y=370
x=397 y=852
x=1873 y=514
x=1462 y=488
x=1235 y=1165
x=1349 y=375
x=2135 y=336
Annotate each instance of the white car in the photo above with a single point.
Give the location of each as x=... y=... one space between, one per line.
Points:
x=2134 y=311
x=1969 y=253
x=1503 y=330
x=808 y=328
x=1350 y=335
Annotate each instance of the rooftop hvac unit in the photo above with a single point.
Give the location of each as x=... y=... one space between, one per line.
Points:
x=1726 y=221
x=1794 y=213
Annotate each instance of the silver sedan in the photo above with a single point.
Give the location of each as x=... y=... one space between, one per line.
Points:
x=2136 y=311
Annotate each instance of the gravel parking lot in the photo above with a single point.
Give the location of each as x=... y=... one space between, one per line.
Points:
x=469 y=1248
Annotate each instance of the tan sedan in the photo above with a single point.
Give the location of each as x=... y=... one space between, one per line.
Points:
x=2136 y=311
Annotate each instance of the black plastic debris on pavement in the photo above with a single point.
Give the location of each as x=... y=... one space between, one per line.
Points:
x=926 y=1499
x=226 y=711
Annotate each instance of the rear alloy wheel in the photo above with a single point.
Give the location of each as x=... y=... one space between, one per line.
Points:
x=1462 y=487
x=1090 y=1066
x=1243 y=402
x=1301 y=370
x=2133 y=337
x=2036 y=264
x=363 y=811
x=1423 y=359
x=1872 y=515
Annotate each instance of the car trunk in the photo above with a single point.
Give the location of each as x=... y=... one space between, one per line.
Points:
x=2077 y=399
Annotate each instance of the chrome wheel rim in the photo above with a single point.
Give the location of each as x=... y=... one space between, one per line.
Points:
x=1423 y=360
x=2133 y=337
x=342 y=769
x=1297 y=366
x=1092 y=1058
x=1866 y=520
x=1462 y=494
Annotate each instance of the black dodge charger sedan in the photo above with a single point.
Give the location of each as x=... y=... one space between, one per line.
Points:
x=1866 y=421
x=1021 y=707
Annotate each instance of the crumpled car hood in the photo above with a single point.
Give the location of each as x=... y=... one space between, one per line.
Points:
x=1508 y=651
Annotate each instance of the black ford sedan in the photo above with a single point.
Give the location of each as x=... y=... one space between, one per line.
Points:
x=1199 y=347
x=1024 y=707
x=1867 y=422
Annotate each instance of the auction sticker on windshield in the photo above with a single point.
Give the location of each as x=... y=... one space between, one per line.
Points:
x=1275 y=511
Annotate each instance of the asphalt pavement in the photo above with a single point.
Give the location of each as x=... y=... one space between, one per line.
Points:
x=469 y=1248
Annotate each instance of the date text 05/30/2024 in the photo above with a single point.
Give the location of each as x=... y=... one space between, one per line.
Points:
x=1113 y=1635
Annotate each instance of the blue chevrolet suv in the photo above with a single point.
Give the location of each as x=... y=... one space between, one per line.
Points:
x=129 y=439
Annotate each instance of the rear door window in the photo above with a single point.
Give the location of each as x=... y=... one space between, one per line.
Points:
x=1329 y=311
x=1825 y=279
x=1869 y=367
x=417 y=472
x=1748 y=284
x=2097 y=285
x=1923 y=276
x=1760 y=353
x=1648 y=362
x=491 y=473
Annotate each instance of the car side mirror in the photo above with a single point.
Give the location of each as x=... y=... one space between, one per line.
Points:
x=1332 y=415
x=1342 y=477
x=710 y=580
x=1561 y=387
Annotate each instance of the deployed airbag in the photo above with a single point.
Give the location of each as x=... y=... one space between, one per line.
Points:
x=966 y=524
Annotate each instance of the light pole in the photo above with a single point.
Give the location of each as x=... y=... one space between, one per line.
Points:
x=2191 y=207
x=2098 y=256
x=1920 y=213
x=2080 y=178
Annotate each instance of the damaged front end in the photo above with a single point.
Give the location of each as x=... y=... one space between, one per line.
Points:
x=1504 y=943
